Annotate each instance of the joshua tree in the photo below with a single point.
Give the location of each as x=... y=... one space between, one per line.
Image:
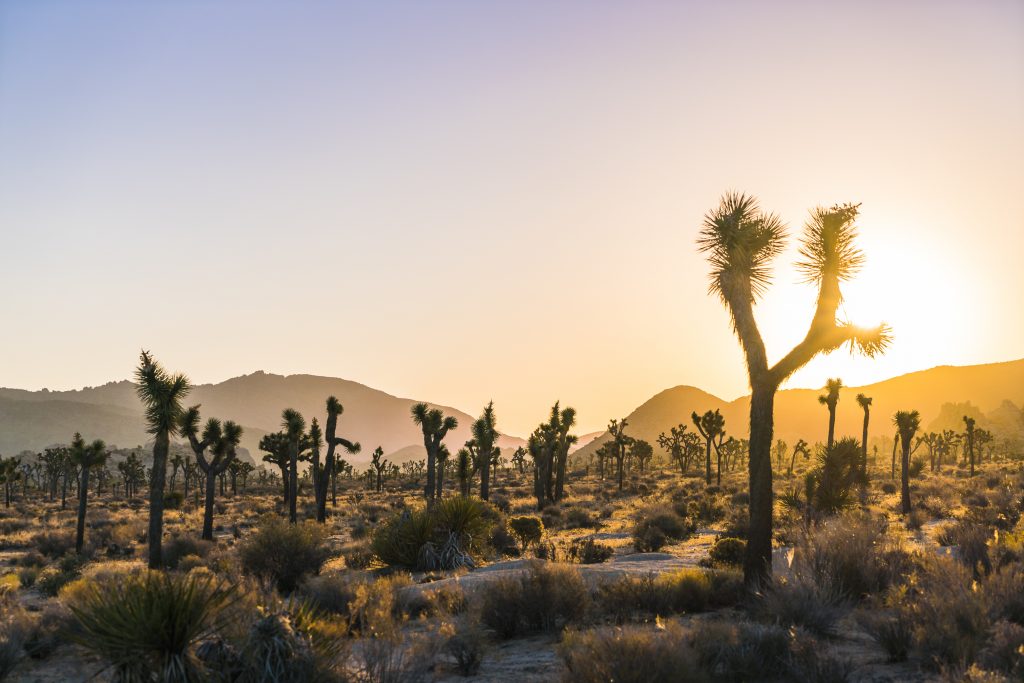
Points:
x=464 y=470
x=442 y=464
x=334 y=410
x=982 y=437
x=379 y=464
x=969 y=440
x=830 y=399
x=741 y=241
x=779 y=451
x=641 y=452
x=9 y=476
x=222 y=441
x=932 y=441
x=562 y=420
x=485 y=434
x=294 y=429
x=519 y=459
x=435 y=427
x=85 y=456
x=907 y=423
x=800 y=447
x=675 y=444
x=619 y=443
x=711 y=426
x=275 y=445
x=176 y=464
x=161 y=394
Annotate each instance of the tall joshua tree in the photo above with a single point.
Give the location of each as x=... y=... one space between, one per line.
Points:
x=802 y=448
x=562 y=420
x=294 y=428
x=334 y=410
x=741 y=241
x=435 y=427
x=222 y=440
x=379 y=465
x=969 y=440
x=485 y=434
x=907 y=422
x=830 y=399
x=161 y=393
x=619 y=443
x=711 y=425
x=85 y=456
x=865 y=403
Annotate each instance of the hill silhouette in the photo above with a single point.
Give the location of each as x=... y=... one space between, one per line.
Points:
x=995 y=390
x=32 y=420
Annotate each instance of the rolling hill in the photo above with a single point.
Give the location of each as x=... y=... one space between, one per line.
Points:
x=33 y=420
x=995 y=390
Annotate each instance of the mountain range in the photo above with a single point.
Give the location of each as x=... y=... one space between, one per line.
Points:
x=33 y=420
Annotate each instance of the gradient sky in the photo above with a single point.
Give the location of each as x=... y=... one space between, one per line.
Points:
x=460 y=201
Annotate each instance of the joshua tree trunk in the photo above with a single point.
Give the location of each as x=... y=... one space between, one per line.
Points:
x=293 y=481
x=211 y=489
x=431 y=487
x=758 y=560
x=864 y=447
x=83 y=496
x=895 y=442
x=707 y=463
x=831 y=425
x=485 y=475
x=156 y=499
x=905 y=477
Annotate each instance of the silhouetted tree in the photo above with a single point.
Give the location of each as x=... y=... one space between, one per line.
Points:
x=435 y=427
x=485 y=434
x=85 y=456
x=161 y=394
x=331 y=465
x=907 y=423
x=830 y=399
x=619 y=445
x=711 y=426
x=379 y=465
x=969 y=440
x=294 y=429
x=741 y=241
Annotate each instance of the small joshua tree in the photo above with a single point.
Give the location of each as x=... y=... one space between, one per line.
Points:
x=85 y=456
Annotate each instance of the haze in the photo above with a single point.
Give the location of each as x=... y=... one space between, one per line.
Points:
x=466 y=201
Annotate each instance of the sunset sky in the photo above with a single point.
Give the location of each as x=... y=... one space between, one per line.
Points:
x=460 y=201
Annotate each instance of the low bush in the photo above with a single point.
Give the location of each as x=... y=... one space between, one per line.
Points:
x=54 y=544
x=801 y=601
x=743 y=651
x=529 y=531
x=466 y=646
x=442 y=537
x=657 y=526
x=178 y=547
x=357 y=556
x=893 y=632
x=589 y=551
x=687 y=590
x=630 y=654
x=728 y=552
x=544 y=597
x=284 y=553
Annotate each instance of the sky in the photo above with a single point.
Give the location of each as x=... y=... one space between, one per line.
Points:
x=466 y=201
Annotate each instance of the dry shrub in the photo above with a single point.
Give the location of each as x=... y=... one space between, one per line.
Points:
x=544 y=597
x=630 y=654
x=687 y=590
x=284 y=553
x=802 y=601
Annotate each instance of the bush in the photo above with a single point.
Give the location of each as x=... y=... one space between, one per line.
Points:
x=54 y=544
x=541 y=598
x=146 y=626
x=728 y=551
x=466 y=646
x=173 y=500
x=687 y=590
x=289 y=645
x=578 y=518
x=849 y=555
x=442 y=537
x=15 y=626
x=589 y=551
x=178 y=547
x=743 y=651
x=971 y=540
x=357 y=556
x=283 y=553
x=1004 y=651
x=801 y=601
x=893 y=632
x=529 y=530
x=630 y=654
x=888 y=487
x=656 y=527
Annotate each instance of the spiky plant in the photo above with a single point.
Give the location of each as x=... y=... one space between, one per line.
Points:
x=161 y=393
x=485 y=434
x=147 y=626
x=865 y=404
x=830 y=399
x=294 y=429
x=85 y=456
x=334 y=411
x=435 y=426
x=711 y=426
x=969 y=440
x=907 y=423
x=741 y=242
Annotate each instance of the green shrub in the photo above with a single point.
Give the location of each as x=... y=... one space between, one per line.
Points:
x=173 y=500
x=442 y=537
x=589 y=551
x=686 y=590
x=146 y=626
x=529 y=530
x=657 y=526
x=283 y=553
x=54 y=544
x=631 y=654
x=178 y=547
x=728 y=551
x=293 y=645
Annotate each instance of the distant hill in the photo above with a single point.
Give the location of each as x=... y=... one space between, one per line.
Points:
x=995 y=391
x=35 y=419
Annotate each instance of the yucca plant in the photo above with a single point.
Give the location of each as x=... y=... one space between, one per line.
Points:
x=294 y=644
x=148 y=625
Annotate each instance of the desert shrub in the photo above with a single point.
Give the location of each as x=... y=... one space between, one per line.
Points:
x=916 y=519
x=888 y=487
x=728 y=551
x=578 y=518
x=630 y=654
x=551 y=516
x=332 y=592
x=894 y=632
x=687 y=590
x=850 y=555
x=283 y=553
x=32 y=558
x=51 y=580
x=1004 y=594
x=743 y=651
x=529 y=530
x=656 y=527
x=47 y=632
x=357 y=555
x=502 y=540
x=916 y=468
x=290 y=645
x=950 y=622
x=589 y=551
x=27 y=576
x=737 y=523
x=15 y=626
x=441 y=537
x=502 y=504
x=466 y=645
x=801 y=601
x=173 y=500
x=178 y=547
x=542 y=598
x=147 y=626
x=1004 y=650
x=54 y=544
x=971 y=540
x=359 y=528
